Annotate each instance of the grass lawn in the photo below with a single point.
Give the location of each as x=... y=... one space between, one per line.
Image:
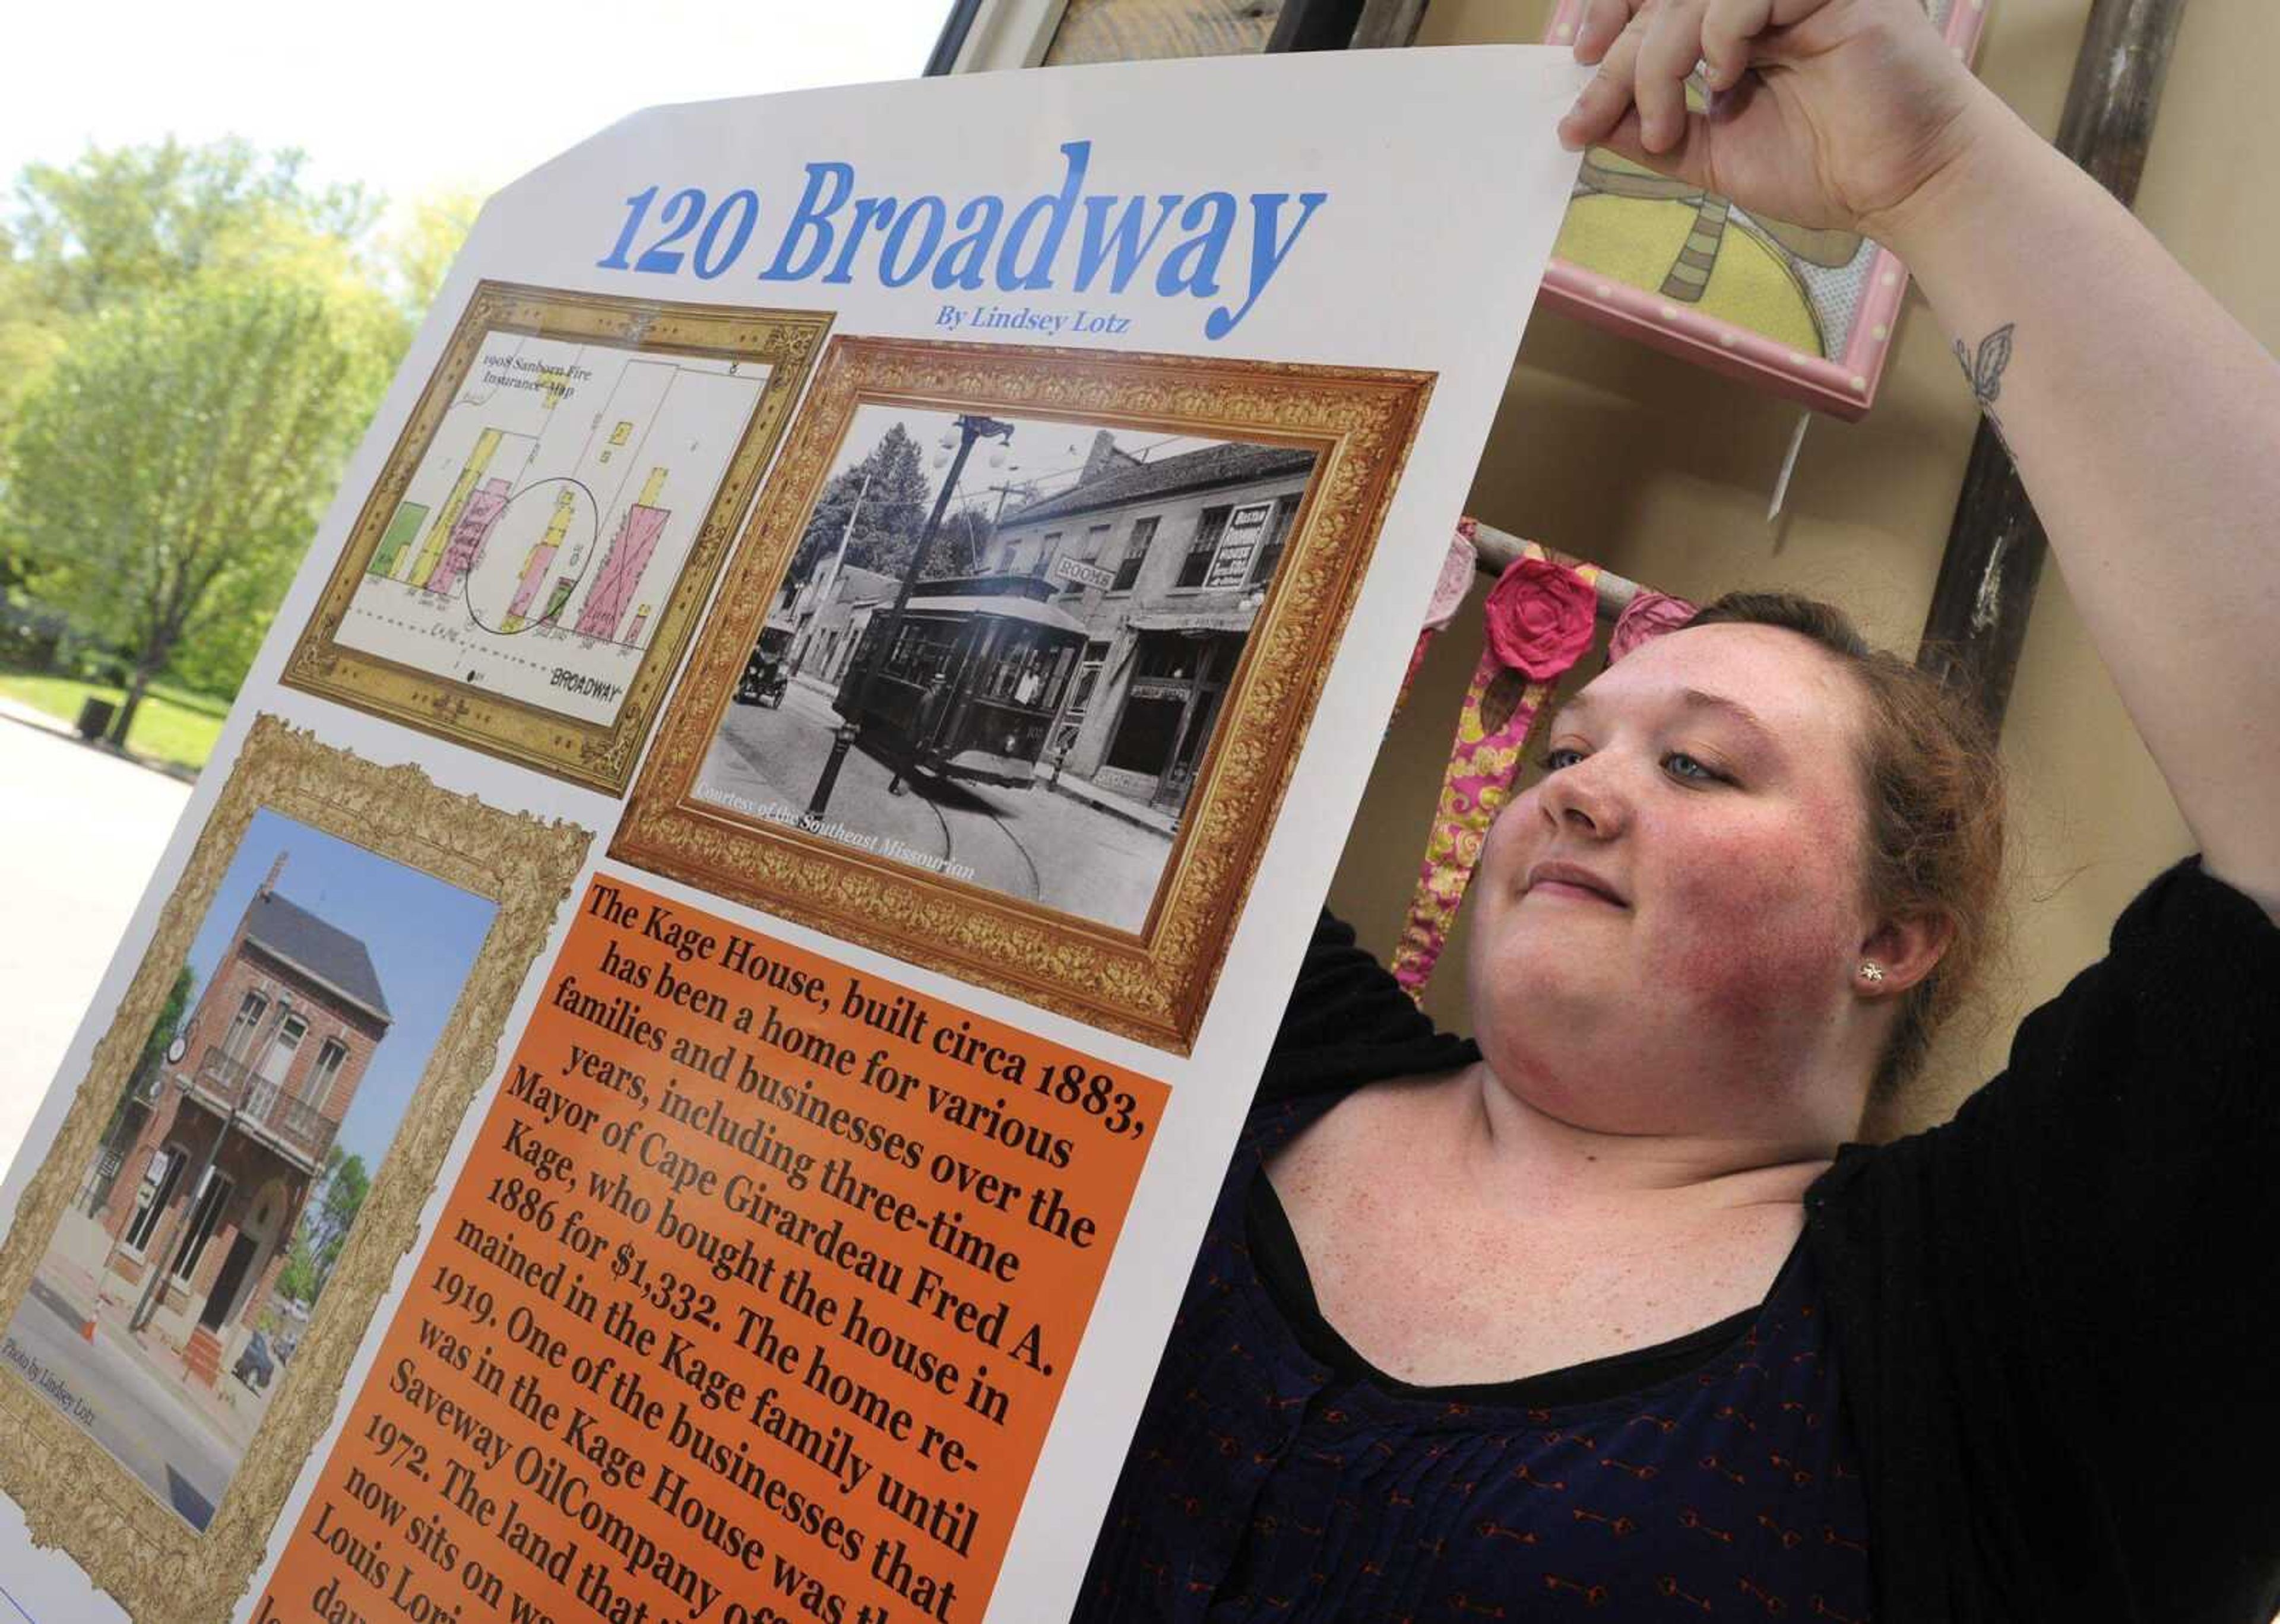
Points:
x=170 y=725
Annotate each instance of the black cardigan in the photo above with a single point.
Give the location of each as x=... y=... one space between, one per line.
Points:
x=2057 y=1313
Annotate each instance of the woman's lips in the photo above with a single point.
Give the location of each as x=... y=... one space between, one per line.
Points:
x=1572 y=880
x=1569 y=889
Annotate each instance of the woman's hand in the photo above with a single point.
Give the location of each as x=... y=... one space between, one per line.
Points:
x=1842 y=114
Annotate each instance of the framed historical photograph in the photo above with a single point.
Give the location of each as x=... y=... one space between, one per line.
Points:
x=1807 y=313
x=192 y=1267
x=523 y=577
x=1016 y=654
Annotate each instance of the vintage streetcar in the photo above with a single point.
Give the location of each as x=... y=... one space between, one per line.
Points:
x=968 y=689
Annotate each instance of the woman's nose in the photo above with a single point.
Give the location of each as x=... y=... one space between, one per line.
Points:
x=1583 y=799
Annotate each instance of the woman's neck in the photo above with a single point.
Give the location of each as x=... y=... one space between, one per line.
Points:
x=1508 y=1144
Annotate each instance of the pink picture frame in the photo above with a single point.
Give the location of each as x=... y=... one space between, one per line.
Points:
x=1808 y=315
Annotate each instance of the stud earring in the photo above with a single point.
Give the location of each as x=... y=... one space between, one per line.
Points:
x=1872 y=973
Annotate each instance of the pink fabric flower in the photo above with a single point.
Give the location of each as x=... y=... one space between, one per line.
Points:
x=1540 y=616
x=1645 y=618
x=1459 y=565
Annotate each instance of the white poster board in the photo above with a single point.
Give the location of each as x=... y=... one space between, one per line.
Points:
x=744 y=918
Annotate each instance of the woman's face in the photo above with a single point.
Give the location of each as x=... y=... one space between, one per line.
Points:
x=1665 y=926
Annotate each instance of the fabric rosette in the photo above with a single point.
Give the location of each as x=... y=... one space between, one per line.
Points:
x=1541 y=617
x=1646 y=617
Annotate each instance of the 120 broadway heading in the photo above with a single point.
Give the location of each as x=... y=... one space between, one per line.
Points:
x=1184 y=242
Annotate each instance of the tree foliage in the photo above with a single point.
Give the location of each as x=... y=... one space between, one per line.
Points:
x=324 y=1230
x=190 y=337
x=891 y=512
x=418 y=251
x=169 y=1022
x=132 y=221
x=164 y=479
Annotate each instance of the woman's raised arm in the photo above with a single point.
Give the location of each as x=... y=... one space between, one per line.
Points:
x=2145 y=420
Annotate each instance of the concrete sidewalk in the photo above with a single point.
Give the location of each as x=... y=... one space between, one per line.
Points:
x=81 y=829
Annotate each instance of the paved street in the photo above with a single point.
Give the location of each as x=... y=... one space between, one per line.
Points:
x=80 y=832
x=126 y=1405
x=1032 y=843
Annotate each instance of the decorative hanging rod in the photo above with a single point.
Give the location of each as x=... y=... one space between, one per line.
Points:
x=1498 y=549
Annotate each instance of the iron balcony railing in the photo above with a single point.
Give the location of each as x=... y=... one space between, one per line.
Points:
x=265 y=1109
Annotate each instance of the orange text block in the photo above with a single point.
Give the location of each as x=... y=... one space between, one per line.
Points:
x=752 y=1305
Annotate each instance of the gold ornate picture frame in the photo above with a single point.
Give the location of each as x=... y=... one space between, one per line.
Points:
x=1307 y=550
x=524 y=575
x=74 y=1491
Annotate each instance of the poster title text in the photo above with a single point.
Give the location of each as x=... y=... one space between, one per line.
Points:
x=1210 y=246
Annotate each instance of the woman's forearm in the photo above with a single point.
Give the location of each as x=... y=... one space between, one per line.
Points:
x=2146 y=425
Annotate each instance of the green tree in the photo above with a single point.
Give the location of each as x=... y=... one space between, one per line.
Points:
x=132 y=221
x=169 y=1022
x=128 y=223
x=324 y=1230
x=163 y=481
x=417 y=251
x=154 y=1047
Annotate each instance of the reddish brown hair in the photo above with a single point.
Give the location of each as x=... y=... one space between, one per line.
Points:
x=1932 y=784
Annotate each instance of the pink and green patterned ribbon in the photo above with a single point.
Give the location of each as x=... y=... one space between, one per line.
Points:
x=1541 y=617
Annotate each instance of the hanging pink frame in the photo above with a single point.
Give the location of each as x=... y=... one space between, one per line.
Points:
x=1845 y=386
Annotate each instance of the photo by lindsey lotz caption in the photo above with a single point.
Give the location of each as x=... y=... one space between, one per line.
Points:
x=676 y=1064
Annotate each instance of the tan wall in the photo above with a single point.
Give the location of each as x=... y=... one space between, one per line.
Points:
x=1662 y=471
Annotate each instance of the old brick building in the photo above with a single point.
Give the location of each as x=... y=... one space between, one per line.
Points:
x=220 y=1170
x=1166 y=564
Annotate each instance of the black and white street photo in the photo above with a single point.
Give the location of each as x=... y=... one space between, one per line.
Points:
x=1000 y=650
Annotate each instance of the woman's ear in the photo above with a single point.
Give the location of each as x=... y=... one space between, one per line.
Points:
x=1903 y=952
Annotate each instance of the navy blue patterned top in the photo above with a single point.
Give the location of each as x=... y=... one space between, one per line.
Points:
x=1276 y=1476
x=2056 y=1316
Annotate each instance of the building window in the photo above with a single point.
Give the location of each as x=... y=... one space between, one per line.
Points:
x=160 y=1177
x=1135 y=552
x=277 y=1063
x=238 y=1039
x=1209 y=528
x=1278 y=532
x=1088 y=678
x=330 y=1058
x=1166 y=657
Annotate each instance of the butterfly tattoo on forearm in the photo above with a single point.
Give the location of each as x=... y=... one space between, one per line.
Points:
x=1985 y=372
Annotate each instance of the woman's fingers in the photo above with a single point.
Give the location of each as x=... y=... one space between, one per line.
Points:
x=1672 y=45
x=1727 y=28
x=1603 y=22
x=1608 y=96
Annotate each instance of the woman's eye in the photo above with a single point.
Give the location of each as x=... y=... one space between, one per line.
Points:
x=1560 y=757
x=1678 y=764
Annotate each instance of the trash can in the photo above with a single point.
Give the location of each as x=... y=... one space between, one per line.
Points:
x=94 y=717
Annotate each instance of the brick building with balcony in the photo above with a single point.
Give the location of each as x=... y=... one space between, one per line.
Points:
x=222 y=1164
x=1165 y=563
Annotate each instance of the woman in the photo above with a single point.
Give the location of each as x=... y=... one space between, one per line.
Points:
x=1602 y=1313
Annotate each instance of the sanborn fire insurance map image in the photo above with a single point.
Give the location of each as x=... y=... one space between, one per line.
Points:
x=528 y=567
x=544 y=529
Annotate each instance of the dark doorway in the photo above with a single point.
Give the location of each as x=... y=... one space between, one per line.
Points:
x=225 y=1283
x=1145 y=737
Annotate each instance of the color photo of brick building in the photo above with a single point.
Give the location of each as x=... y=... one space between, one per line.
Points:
x=225 y=1153
x=165 y=1313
